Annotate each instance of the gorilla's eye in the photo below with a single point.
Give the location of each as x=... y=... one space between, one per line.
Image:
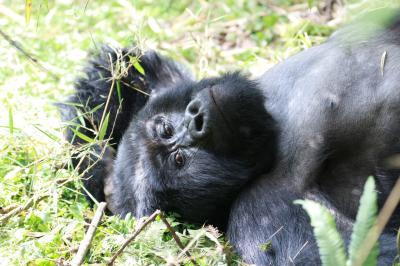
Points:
x=165 y=130
x=179 y=159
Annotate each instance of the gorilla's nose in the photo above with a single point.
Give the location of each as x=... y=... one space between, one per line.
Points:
x=196 y=118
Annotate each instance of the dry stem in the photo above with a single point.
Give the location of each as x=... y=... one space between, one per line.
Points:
x=130 y=239
x=85 y=244
x=16 y=211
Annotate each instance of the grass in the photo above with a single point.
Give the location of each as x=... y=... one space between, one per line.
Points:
x=209 y=37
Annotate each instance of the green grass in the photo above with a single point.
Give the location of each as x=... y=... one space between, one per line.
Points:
x=209 y=37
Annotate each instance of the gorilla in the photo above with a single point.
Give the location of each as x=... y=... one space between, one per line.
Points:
x=236 y=152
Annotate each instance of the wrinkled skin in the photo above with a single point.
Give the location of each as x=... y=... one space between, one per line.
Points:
x=236 y=153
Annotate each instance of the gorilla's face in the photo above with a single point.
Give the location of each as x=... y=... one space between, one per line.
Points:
x=192 y=147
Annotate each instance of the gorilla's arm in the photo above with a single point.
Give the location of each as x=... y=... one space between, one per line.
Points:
x=113 y=84
x=274 y=223
x=284 y=228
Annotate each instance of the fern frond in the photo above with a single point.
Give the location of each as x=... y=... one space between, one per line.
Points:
x=329 y=241
x=366 y=218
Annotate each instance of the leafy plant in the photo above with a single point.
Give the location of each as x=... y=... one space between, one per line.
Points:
x=330 y=243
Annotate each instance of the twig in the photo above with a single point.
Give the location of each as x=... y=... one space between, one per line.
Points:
x=140 y=229
x=383 y=218
x=383 y=60
x=298 y=252
x=86 y=5
x=27 y=205
x=172 y=231
x=26 y=54
x=7 y=209
x=130 y=239
x=85 y=244
x=208 y=232
x=190 y=245
x=177 y=240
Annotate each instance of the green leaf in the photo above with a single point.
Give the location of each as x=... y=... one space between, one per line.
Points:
x=270 y=20
x=10 y=120
x=96 y=108
x=103 y=127
x=82 y=136
x=266 y=246
x=119 y=91
x=28 y=10
x=330 y=243
x=80 y=117
x=135 y=63
x=366 y=218
x=47 y=133
x=310 y=3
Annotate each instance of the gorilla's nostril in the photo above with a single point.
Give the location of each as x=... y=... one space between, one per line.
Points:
x=196 y=118
x=198 y=123
x=193 y=109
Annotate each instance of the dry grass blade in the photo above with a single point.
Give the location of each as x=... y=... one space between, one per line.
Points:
x=16 y=211
x=177 y=239
x=137 y=232
x=190 y=245
x=383 y=60
x=7 y=209
x=143 y=226
x=85 y=243
x=26 y=54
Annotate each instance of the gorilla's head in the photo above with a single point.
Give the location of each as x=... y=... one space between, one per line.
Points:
x=192 y=148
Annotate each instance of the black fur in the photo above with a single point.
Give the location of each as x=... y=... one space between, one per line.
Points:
x=111 y=69
x=237 y=152
x=213 y=172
